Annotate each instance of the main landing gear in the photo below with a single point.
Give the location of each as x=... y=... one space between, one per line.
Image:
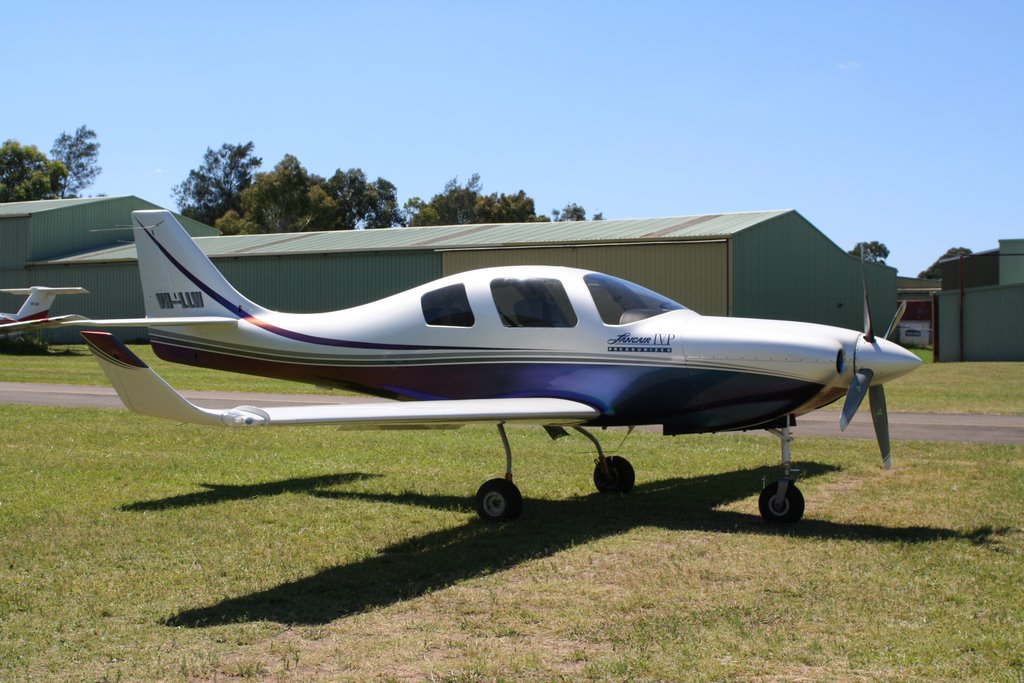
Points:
x=499 y=499
x=781 y=501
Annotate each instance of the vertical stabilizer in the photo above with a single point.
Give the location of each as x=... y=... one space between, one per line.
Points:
x=177 y=277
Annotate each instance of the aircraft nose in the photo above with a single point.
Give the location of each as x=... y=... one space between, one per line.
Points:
x=886 y=359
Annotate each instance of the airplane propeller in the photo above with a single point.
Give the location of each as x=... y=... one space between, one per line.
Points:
x=861 y=382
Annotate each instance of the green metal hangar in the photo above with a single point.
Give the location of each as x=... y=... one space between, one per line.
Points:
x=768 y=264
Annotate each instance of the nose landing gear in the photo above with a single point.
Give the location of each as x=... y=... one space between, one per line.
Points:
x=781 y=501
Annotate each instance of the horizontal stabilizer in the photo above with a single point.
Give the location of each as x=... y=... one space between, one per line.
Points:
x=82 y=321
x=28 y=291
x=143 y=391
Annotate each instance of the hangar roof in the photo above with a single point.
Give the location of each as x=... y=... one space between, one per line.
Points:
x=450 y=237
x=18 y=209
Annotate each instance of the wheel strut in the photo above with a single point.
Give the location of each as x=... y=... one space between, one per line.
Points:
x=508 y=451
x=782 y=501
x=498 y=500
x=602 y=461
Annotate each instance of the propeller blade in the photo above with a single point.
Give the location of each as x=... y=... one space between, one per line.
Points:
x=854 y=397
x=869 y=330
x=896 y=319
x=880 y=416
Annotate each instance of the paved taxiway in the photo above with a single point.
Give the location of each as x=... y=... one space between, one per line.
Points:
x=823 y=423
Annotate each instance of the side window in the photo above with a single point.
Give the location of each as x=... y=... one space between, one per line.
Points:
x=535 y=302
x=447 y=307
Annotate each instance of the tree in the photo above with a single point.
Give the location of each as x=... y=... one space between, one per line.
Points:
x=216 y=187
x=505 y=208
x=571 y=212
x=357 y=203
x=456 y=205
x=935 y=270
x=26 y=174
x=281 y=201
x=78 y=153
x=465 y=204
x=874 y=252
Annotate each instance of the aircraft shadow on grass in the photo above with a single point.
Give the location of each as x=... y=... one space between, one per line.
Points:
x=223 y=493
x=434 y=561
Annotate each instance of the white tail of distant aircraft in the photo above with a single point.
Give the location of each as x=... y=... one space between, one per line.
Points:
x=36 y=307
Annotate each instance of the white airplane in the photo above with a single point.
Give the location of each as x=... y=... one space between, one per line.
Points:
x=551 y=346
x=36 y=307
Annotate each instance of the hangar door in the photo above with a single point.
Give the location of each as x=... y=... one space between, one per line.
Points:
x=696 y=274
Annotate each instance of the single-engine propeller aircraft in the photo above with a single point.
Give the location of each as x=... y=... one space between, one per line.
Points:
x=551 y=346
x=36 y=307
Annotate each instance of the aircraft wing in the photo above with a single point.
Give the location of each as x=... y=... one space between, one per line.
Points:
x=145 y=392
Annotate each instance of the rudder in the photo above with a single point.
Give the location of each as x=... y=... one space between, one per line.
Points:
x=177 y=277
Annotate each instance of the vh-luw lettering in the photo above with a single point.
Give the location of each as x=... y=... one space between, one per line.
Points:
x=171 y=300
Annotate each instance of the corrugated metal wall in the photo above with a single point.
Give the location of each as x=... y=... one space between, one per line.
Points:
x=993 y=328
x=693 y=273
x=296 y=284
x=327 y=282
x=92 y=225
x=979 y=270
x=15 y=236
x=787 y=269
x=114 y=292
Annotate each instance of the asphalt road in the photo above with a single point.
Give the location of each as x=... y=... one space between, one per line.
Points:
x=824 y=423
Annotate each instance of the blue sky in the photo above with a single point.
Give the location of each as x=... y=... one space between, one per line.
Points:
x=892 y=121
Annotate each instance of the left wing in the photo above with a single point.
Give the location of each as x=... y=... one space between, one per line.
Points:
x=145 y=392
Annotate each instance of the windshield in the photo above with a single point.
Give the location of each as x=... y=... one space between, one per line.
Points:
x=620 y=301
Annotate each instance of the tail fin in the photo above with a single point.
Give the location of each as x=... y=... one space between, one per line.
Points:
x=37 y=305
x=177 y=277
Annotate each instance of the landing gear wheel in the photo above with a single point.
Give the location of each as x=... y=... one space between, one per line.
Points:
x=619 y=477
x=790 y=509
x=498 y=500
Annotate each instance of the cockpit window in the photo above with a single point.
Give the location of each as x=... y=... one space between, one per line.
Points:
x=533 y=302
x=620 y=301
x=447 y=307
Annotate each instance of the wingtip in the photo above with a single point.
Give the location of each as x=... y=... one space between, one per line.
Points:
x=110 y=347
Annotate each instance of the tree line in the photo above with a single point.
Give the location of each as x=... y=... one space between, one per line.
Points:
x=228 y=191
x=27 y=174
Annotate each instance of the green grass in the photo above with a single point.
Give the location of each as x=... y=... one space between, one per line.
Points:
x=134 y=549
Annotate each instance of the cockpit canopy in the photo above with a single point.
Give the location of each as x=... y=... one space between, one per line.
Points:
x=543 y=302
x=621 y=301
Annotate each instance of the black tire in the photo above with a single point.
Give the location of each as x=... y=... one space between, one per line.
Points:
x=498 y=500
x=791 y=509
x=619 y=478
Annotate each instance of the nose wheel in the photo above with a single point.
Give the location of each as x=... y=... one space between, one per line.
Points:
x=781 y=501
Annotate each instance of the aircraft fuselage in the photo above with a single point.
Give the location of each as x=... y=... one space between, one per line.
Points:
x=544 y=332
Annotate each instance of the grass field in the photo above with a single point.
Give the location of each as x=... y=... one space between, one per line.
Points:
x=133 y=549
